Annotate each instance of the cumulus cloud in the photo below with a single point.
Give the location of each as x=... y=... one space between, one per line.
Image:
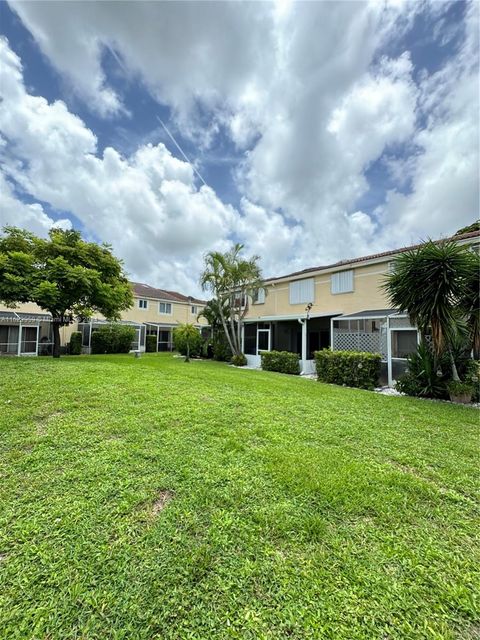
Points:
x=147 y=206
x=305 y=91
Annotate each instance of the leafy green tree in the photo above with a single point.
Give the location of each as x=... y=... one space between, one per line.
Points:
x=431 y=284
x=232 y=281
x=64 y=275
x=186 y=337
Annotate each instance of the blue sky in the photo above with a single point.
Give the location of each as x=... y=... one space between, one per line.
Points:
x=323 y=130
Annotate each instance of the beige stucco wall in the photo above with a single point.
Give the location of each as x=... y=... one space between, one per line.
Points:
x=181 y=313
x=367 y=294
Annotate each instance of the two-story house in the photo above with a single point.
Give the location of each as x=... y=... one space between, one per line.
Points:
x=27 y=330
x=340 y=305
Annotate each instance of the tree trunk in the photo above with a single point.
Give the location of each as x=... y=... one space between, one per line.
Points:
x=225 y=328
x=56 y=338
x=455 y=375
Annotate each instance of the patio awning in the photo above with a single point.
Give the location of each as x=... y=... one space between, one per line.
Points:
x=165 y=325
x=298 y=316
x=370 y=314
x=96 y=321
x=15 y=316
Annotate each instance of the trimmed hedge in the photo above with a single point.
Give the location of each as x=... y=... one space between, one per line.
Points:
x=350 y=368
x=281 y=361
x=113 y=338
x=75 y=347
x=151 y=343
x=239 y=360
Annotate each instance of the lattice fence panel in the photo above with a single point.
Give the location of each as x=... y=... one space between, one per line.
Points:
x=343 y=341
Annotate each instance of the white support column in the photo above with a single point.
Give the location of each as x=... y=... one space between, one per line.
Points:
x=158 y=335
x=243 y=339
x=38 y=333
x=19 y=345
x=90 y=339
x=331 y=334
x=389 y=353
x=304 y=340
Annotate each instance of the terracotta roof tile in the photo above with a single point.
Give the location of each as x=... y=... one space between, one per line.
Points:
x=140 y=289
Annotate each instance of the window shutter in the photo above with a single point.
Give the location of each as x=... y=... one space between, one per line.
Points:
x=342 y=282
x=302 y=291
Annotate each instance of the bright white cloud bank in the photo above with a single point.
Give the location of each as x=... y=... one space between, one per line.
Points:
x=299 y=88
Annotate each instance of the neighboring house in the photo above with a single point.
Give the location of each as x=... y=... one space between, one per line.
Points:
x=27 y=330
x=341 y=305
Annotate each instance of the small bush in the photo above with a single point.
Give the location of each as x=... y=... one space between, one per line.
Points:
x=221 y=349
x=472 y=377
x=281 y=361
x=113 y=338
x=350 y=368
x=151 y=343
x=239 y=360
x=195 y=340
x=75 y=347
x=425 y=377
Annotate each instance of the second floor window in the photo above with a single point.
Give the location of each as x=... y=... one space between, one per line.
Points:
x=302 y=291
x=342 y=282
x=143 y=304
x=194 y=310
x=165 y=307
x=259 y=297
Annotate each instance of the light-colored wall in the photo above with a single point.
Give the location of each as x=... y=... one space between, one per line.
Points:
x=367 y=294
x=181 y=313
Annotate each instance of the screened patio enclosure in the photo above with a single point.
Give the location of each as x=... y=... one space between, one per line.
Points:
x=299 y=335
x=25 y=334
x=164 y=334
x=87 y=328
x=384 y=331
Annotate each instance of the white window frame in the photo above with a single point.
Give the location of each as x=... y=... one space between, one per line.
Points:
x=165 y=313
x=337 y=287
x=260 y=296
x=301 y=291
x=194 y=310
x=143 y=308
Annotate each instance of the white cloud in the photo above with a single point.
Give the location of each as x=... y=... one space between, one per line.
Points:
x=301 y=88
x=147 y=206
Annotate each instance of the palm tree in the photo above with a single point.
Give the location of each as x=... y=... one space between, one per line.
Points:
x=186 y=333
x=232 y=280
x=430 y=285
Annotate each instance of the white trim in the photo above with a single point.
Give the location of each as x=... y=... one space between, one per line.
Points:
x=291 y=317
x=269 y=331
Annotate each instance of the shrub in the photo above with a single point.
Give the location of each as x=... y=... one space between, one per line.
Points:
x=472 y=377
x=281 y=361
x=151 y=343
x=350 y=368
x=424 y=377
x=239 y=360
x=75 y=347
x=113 y=338
x=195 y=340
x=221 y=349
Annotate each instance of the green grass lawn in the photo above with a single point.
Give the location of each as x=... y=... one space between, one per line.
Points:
x=156 y=499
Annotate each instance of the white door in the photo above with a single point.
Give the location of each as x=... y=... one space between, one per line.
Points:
x=263 y=340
